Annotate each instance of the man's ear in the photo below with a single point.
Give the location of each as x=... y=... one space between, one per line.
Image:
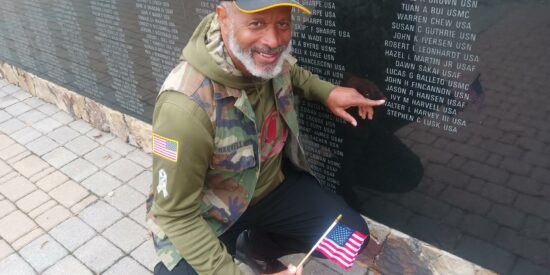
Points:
x=223 y=18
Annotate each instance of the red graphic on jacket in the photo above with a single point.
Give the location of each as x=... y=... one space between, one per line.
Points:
x=272 y=136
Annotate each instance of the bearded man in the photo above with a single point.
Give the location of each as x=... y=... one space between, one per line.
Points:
x=230 y=178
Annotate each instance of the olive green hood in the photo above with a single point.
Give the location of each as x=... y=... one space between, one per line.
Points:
x=196 y=54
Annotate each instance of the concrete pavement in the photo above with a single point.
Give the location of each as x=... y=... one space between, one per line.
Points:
x=71 y=197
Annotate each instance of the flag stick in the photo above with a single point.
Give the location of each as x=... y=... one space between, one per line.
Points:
x=320 y=239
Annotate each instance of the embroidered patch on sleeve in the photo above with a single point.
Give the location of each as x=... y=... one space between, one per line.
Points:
x=165 y=147
x=163 y=183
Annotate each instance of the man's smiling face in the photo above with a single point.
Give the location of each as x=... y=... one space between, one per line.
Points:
x=258 y=43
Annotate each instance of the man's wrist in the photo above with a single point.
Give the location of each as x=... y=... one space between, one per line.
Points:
x=322 y=90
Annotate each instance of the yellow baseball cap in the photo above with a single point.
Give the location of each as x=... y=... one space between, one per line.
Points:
x=252 y=6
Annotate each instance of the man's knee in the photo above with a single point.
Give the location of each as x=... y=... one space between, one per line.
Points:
x=160 y=269
x=363 y=227
x=182 y=268
x=366 y=232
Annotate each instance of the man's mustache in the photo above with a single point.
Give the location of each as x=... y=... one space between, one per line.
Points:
x=267 y=50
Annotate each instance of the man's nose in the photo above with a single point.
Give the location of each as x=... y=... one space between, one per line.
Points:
x=272 y=38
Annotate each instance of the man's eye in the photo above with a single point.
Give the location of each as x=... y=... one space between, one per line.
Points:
x=284 y=25
x=255 y=24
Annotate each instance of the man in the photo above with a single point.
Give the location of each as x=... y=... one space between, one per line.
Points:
x=227 y=160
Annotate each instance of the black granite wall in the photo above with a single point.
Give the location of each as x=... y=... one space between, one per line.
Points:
x=459 y=156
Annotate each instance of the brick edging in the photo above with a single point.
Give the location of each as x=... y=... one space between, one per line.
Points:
x=399 y=253
x=128 y=128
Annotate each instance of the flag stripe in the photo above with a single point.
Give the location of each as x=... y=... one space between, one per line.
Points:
x=360 y=235
x=162 y=148
x=166 y=153
x=335 y=258
x=352 y=247
x=357 y=237
x=338 y=250
x=347 y=252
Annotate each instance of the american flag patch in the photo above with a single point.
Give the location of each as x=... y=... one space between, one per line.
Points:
x=165 y=147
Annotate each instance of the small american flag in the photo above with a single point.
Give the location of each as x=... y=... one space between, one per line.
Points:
x=341 y=245
x=165 y=147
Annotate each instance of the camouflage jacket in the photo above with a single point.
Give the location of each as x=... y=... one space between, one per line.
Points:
x=234 y=165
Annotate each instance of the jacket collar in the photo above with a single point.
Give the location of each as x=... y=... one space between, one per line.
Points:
x=221 y=91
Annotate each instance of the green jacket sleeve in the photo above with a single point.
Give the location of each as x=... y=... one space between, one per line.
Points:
x=176 y=204
x=309 y=86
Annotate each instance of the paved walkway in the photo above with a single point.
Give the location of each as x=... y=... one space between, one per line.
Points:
x=72 y=197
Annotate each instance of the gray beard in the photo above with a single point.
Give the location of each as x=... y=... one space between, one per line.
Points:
x=245 y=57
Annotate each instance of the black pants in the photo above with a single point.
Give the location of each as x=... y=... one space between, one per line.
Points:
x=289 y=220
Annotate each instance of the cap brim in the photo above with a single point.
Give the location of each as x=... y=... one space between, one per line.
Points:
x=258 y=6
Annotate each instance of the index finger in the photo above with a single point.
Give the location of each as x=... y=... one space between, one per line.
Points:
x=358 y=100
x=369 y=102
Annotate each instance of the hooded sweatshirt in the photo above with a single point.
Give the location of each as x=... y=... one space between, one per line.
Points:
x=195 y=241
